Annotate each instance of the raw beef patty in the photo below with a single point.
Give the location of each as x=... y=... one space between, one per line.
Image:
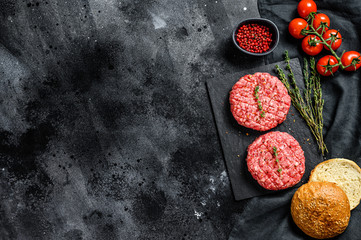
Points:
x=259 y=101
x=276 y=160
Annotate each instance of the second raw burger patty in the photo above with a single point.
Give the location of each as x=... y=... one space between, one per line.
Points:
x=264 y=113
x=276 y=160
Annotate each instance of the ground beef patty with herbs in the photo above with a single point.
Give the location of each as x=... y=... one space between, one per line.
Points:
x=276 y=160
x=259 y=101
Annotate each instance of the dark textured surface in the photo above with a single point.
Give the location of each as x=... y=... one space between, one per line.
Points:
x=106 y=131
x=235 y=139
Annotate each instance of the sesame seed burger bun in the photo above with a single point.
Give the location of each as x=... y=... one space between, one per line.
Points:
x=320 y=209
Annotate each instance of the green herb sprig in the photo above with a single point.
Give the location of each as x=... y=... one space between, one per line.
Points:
x=275 y=153
x=256 y=90
x=310 y=103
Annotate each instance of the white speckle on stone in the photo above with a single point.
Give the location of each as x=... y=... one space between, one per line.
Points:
x=211 y=179
x=3 y=169
x=223 y=177
x=245 y=8
x=218 y=204
x=198 y=214
x=20 y=205
x=204 y=203
x=212 y=188
x=158 y=22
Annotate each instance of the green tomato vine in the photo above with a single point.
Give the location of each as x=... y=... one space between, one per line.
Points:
x=326 y=42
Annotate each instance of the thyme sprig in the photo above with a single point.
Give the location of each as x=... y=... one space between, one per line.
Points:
x=256 y=90
x=275 y=153
x=309 y=103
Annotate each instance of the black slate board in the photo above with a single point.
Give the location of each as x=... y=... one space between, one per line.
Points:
x=235 y=138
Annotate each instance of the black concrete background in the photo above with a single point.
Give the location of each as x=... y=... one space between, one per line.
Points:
x=106 y=129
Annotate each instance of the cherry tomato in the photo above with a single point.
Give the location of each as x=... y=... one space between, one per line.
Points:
x=311 y=45
x=305 y=7
x=319 y=19
x=296 y=26
x=333 y=34
x=351 y=57
x=324 y=65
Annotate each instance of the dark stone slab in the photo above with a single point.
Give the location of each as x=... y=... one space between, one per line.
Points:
x=235 y=138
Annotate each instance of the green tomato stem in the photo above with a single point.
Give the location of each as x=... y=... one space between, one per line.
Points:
x=323 y=41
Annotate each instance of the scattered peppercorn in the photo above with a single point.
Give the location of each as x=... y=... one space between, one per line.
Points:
x=254 y=38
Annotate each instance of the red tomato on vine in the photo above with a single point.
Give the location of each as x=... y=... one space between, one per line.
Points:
x=296 y=26
x=305 y=7
x=325 y=65
x=333 y=36
x=351 y=58
x=319 y=20
x=311 y=45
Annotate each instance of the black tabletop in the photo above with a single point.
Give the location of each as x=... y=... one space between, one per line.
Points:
x=106 y=127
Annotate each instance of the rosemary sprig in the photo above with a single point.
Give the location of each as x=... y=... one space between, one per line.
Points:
x=310 y=103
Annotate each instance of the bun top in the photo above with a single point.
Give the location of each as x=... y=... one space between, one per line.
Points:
x=345 y=173
x=320 y=209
